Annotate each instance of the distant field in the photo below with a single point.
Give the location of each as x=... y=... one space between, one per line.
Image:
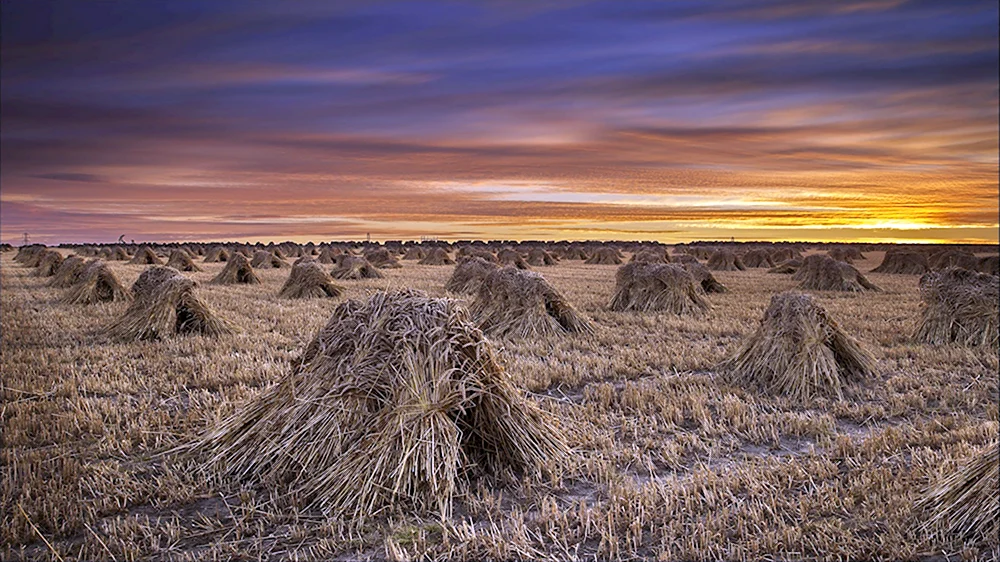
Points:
x=670 y=463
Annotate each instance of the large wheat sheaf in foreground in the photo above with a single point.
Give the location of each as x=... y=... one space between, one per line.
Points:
x=398 y=403
x=800 y=352
x=965 y=504
x=960 y=306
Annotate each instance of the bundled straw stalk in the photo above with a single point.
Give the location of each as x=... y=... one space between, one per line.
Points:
x=656 y=286
x=236 y=271
x=469 y=275
x=397 y=405
x=119 y=254
x=944 y=259
x=903 y=262
x=437 y=256
x=965 y=505
x=382 y=259
x=989 y=264
x=216 y=254
x=959 y=306
x=267 y=260
x=515 y=303
x=329 y=255
x=651 y=256
x=309 y=280
x=414 y=253
x=25 y=254
x=97 y=283
x=510 y=257
x=68 y=273
x=703 y=278
x=758 y=258
x=725 y=260
x=846 y=254
x=355 y=267
x=538 y=256
x=800 y=352
x=165 y=305
x=181 y=261
x=145 y=256
x=48 y=262
x=605 y=256
x=787 y=267
x=823 y=273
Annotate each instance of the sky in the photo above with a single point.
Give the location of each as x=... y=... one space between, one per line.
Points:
x=871 y=120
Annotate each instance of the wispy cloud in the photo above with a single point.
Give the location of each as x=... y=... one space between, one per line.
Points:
x=497 y=119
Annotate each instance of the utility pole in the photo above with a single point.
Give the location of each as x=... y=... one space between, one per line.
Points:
x=25 y=238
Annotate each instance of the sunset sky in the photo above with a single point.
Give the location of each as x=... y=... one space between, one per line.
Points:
x=674 y=121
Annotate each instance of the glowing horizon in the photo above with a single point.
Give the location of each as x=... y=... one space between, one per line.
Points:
x=777 y=120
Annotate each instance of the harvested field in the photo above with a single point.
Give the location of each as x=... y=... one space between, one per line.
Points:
x=669 y=460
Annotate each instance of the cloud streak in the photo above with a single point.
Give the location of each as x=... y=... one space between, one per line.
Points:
x=336 y=119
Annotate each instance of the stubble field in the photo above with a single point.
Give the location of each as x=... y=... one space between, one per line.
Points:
x=669 y=462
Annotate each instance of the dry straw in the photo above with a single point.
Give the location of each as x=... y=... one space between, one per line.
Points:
x=48 y=263
x=683 y=259
x=823 y=273
x=953 y=258
x=181 y=261
x=787 y=267
x=97 y=283
x=397 y=405
x=725 y=260
x=382 y=259
x=469 y=275
x=989 y=264
x=508 y=257
x=471 y=252
x=437 y=256
x=574 y=253
x=414 y=253
x=309 y=280
x=165 y=305
x=267 y=260
x=119 y=254
x=645 y=286
x=521 y=304
x=650 y=256
x=903 y=262
x=216 y=254
x=29 y=256
x=757 y=257
x=538 y=256
x=846 y=254
x=329 y=255
x=605 y=256
x=68 y=273
x=965 y=505
x=782 y=254
x=703 y=278
x=959 y=306
x=145 y=256
x=355 y=267
x=800 y=352
x=236 y=271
